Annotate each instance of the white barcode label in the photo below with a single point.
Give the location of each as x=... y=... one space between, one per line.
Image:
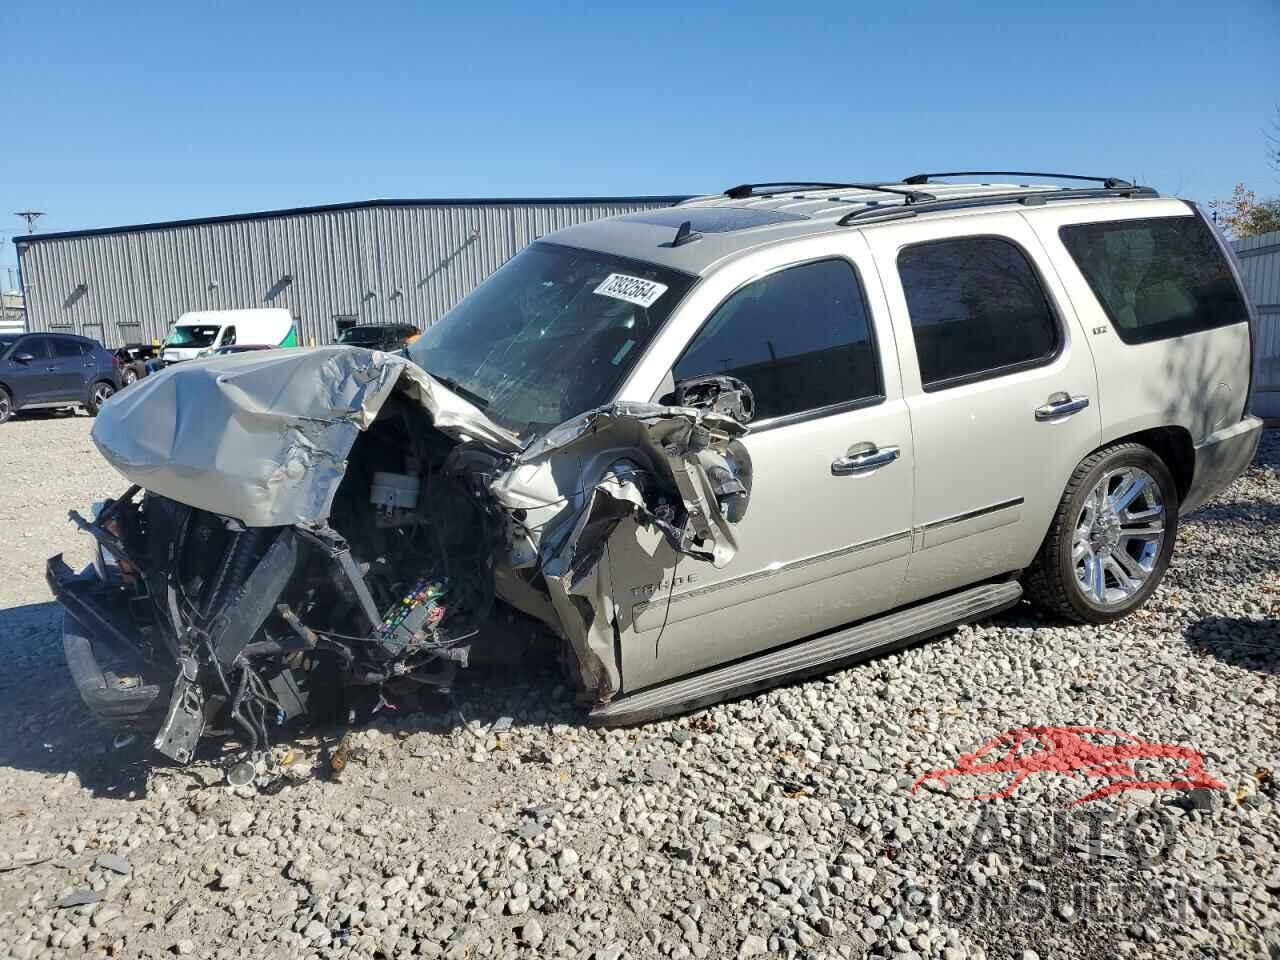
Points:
x=635 y=290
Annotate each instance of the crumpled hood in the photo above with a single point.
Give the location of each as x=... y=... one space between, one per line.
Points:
x=264 y=436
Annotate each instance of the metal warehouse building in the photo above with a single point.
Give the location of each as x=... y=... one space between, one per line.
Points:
x=370 y=262
x=1260 y=265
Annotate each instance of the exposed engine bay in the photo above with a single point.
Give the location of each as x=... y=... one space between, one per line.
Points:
x=313 y=525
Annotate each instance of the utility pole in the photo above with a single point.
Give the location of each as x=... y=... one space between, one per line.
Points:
x=31 y=216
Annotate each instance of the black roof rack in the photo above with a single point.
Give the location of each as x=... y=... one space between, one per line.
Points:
x=873 y=214
x=918 y=178
x=744 y=190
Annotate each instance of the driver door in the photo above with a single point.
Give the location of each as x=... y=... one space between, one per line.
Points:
x=826 y=535
x=33 y=381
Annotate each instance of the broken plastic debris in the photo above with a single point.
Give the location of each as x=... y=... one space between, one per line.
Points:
x=113 y=862
x=78 y=898
x=341 y=755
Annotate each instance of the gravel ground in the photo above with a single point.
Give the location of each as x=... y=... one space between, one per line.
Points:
x=786 y=824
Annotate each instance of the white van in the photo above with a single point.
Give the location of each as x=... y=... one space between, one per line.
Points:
x=202 y=331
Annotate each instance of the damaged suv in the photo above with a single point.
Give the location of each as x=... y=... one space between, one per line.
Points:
x=700 y=450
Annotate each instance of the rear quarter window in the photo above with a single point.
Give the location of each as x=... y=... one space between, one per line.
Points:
x=1156 y=278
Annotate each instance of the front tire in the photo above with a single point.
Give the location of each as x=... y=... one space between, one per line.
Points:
x=6 y=405
x=132 y=374
x=100 y=394
x=1111 y=538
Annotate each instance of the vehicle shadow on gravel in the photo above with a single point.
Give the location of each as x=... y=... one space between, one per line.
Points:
x=1236 y=512
x=1251 y=644
x=48 y=730
x=46 y=727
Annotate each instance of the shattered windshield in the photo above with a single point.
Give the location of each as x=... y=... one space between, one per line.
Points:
x=188 y=336
x=551 y=334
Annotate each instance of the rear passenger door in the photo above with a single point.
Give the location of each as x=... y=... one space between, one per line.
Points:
x=69 y=370
x=826 y=535
x=1001 y=388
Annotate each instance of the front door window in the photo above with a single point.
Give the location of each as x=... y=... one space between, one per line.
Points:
x=799 y=338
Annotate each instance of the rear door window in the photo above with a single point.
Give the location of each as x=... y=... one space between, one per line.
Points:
x=977 y=310
x=66 y=349
x=799 y=338
x=1156 y=278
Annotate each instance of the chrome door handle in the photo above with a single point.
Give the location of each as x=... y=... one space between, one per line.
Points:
x=1061 y=405
x=863 y=458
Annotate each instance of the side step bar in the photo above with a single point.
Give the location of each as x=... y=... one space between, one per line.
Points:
x=808 y=657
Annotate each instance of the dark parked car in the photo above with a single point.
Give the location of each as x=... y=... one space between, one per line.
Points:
x=49 y=370
x=379 y=336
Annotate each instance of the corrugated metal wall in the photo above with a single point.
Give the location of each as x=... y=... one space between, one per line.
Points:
x=376 y=263
x=1260 y=263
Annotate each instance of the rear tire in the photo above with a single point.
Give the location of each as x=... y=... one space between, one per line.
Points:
x=6 y=405
x=1111 y=538
x=132 y=374
x=100 y=394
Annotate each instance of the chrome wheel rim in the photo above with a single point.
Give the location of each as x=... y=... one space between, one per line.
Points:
x=4 y=406
x=102 y=393
x=129 y=377
x=1118 y=536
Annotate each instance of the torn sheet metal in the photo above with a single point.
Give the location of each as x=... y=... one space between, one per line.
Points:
x=264 y=436
x=676 y=469
x=690 y=458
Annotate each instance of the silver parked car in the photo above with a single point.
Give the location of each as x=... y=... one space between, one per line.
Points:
x=705 y=449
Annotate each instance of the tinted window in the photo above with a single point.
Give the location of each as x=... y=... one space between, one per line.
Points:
x=799 y=338
x=38 y=347
x=66 y=348
x=1156 y=278
x=976 y=307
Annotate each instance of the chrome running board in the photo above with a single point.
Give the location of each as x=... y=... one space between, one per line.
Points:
x=808 y=657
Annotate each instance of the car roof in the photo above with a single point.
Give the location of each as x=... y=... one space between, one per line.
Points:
x=58 y=336
x=729 y=225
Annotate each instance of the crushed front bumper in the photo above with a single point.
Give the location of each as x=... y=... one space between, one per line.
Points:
x=119 y=695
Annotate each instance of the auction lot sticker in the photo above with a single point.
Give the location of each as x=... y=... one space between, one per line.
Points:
x=635 y=290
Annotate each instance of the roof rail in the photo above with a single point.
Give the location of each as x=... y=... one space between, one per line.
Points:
x=744 y=190
x=918 y=178
x=872 y=214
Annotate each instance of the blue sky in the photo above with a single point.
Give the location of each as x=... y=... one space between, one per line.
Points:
x=123 y=113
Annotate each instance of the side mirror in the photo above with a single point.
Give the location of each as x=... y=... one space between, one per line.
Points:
x=23 y=358
x=719 y=394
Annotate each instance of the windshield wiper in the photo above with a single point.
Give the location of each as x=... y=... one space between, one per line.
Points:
x=462 y=391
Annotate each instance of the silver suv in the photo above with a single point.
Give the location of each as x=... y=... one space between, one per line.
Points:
x=703 y=449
